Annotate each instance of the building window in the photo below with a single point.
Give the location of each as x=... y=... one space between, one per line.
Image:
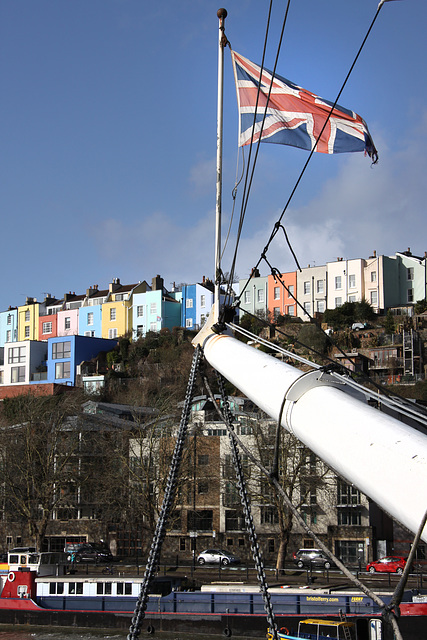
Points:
x=291 y=289
x=9 y=319
x=189 y=323
x=62 y=370
x=139 y=330
x=17 y=374
x=27 y=332
x=320 y=286
x=182 y=544
x=203 y=459
x=269 y=515
x=8 y=336
x=276 y=312
x=373 y=276
x=352 y=281
x=61 y=350
x=112 y=333
x=1 y=377
x=260 y=295
x=27 y=315
x=271 y=548
x=112 y=314
x=374 y=298
x=352 y=298
x=307 y=287
x=247 y=297
x=337 y=282
x=189 y=303
x=321 y=306
x=118 y=297
x=203 y=301
x=16 y=354
x=277 y=293
x=291 y=310
x=90 y=318
x=410 y=273
x=307 y=307
x=338 y=302
x=153 y=326
x=140 y=311
x=46 y=327
x=67 y=323
x=410 y=295
x=347 y=494
x=153 y=307
x=349 y=516
x=203 y=487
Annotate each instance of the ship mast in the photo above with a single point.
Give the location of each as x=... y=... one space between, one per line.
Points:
x=222 y=41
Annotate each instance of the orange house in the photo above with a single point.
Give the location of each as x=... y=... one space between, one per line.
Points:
x=48 y=326
x=282 y=299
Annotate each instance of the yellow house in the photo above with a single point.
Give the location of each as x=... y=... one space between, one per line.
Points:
x=117 y=311
x=28 y=320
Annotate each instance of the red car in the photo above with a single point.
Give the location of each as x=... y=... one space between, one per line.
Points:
x=390 y=564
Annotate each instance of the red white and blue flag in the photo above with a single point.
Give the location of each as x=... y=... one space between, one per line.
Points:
x=294 y=116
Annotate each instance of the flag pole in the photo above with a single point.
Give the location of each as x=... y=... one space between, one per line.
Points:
x=222 y=14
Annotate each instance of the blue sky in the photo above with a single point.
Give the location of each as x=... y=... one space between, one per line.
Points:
x=108 y=139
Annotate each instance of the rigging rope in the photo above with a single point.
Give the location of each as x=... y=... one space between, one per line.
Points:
x=170 y=490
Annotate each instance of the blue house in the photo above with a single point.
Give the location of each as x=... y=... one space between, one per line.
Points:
x=155 y=309
x=8 y=326
x=66 y=352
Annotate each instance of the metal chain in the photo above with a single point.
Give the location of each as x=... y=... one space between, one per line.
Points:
x=169 y=495
x=256 y=552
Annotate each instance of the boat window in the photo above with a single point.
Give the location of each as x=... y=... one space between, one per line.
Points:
x=75 y=588
x=120 y=588
x=99 y=588
x=33 y=558
x=128 y=588
x=107 y=589
x=23 y=560
x=79 y=588
x=56 y=588
x=13 y=559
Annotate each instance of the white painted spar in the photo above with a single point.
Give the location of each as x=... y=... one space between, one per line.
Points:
x=384 y=458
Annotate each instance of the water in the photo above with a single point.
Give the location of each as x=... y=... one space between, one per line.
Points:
x=47 y=633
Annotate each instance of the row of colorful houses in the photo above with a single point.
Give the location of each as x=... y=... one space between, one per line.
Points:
x=386 y=282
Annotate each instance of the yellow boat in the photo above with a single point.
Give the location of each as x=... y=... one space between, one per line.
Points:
x=317 y=629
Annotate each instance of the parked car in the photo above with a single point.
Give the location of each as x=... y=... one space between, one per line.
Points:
x=93 y=552
x=312 y=558
x=217 y=556
x=389 y=564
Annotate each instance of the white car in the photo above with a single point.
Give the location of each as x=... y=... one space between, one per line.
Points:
x=216 y=556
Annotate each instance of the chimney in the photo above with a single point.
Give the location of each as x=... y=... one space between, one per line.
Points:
x=113 y=286
x=157 y=283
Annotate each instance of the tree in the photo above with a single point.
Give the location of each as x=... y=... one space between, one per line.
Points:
x=38 y=456
x=348 y=313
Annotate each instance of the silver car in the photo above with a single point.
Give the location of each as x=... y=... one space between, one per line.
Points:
x=216 y=556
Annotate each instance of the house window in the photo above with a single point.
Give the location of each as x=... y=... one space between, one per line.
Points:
x=112 y=314
x=16 y=354
x=153 y=326
x=338 y=302
x=153 y=307
x=61 y=350
x=247 y=297
x=90 y=318
x=271 y=545
x=9 y=319
x=260 y=295
x=62 y=370
x=27 y=332
x=277 y=293
x=203 y=301
x=27 y=315
x=373 y=276
x=17 y=374
x=46 y=327
x=203 y=487
x=320 y=285
x=352 y=298
x=347 y=494
x=352 y=281
x=307 y=287
x=67 y=323
x=118 y=297
x=189 y=323
x=89 y=334
x=8 y=336
x=349 y=517
x=140 y=311
x=374 y=298
x=269 y=515
x=291 y=290
x=276 y=312
x=321 y=306
x=337 y=282
x=1 y=377
x=410 y=295
x=189 y=303
x=411 y=273
x=291 y=310
x=182 y=544
x=140 y=330
x=112 y=333
x=307 y=307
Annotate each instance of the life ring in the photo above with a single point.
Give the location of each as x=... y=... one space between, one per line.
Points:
x=227 y=632
x=150 y=629
x=284 y=630
x=11 y=576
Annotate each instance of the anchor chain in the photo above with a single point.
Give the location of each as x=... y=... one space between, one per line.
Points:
x=169 y=495
x=256 y=552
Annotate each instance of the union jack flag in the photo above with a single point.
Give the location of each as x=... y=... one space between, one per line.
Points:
x=294 y=116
